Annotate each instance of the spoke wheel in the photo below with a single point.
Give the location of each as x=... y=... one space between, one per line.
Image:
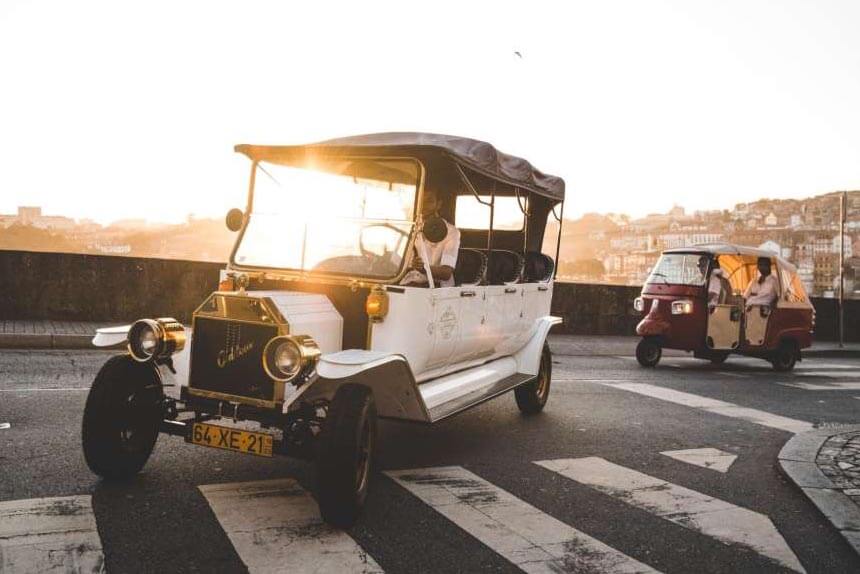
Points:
x=345 y=455
x=121 y=418
x=532 y=396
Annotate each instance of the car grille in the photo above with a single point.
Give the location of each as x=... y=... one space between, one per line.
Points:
x=226 y=357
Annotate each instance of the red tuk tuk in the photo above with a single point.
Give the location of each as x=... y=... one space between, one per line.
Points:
x=705 y=299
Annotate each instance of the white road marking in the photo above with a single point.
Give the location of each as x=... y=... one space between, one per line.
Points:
x=4 y=426
x=275 y=526
x=711 y=458
x=823 y=386
x=41 y=390
x=754 y=416
x=525 y=536
x=49 y=535
x=699 y=512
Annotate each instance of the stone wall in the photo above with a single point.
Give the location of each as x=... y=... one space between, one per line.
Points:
x=69 y=287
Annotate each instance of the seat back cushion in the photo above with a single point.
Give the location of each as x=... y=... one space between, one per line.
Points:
x=538 y=267
x=471 y=267
x=504 y=267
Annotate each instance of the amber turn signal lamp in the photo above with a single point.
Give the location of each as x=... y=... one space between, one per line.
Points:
x=376 y=305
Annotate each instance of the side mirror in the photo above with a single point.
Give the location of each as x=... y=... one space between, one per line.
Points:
x=234 y=219
x=435 y=229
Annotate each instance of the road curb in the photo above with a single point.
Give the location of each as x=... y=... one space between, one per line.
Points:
x=45 y=341
x=797 y=460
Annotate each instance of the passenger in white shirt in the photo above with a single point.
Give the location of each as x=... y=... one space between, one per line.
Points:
x=764 y=290
x=442 y=254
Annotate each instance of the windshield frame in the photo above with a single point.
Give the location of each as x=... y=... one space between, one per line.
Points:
x=704 y=284
x=332 y=276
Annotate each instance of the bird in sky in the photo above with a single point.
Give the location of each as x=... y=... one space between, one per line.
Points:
x=518 y=54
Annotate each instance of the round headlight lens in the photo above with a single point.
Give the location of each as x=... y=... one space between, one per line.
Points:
x=144 y=340
x=288 y=358
x=282 y=359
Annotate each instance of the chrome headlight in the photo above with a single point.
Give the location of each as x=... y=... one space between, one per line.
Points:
x=639 y=304
x=285 y=357
x=682 y=307
x=155 y=339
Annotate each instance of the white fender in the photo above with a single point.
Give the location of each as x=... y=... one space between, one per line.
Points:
x=111 y=336
x=387 y=374
x=528 y=358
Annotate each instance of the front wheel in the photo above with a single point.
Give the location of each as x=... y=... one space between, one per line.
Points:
x=784 y=358
x=648 y=352
x=344 y=455
x=121 y=418
x=532 y=396
x=718 y=357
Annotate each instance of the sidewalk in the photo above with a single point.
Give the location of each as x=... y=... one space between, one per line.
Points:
x=619 y=345
x=825 y=465
x=48 y=334
x=79 y=334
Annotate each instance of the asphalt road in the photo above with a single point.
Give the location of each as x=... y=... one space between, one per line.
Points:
x=600 y=439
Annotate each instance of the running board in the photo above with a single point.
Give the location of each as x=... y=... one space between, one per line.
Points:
x=457 y=392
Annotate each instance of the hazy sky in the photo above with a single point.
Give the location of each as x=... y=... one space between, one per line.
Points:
x=117 y=109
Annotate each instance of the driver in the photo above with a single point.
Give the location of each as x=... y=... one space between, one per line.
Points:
x=442 y=255
x=763 y=291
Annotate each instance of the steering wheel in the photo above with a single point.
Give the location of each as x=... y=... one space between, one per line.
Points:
x=370 y=254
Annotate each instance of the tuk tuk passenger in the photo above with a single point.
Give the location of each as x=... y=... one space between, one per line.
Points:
x=764 y=291
x=718 y=286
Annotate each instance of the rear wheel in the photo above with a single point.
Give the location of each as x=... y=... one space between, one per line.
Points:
x=648 y=352
x=531 y=397
x=785 y=356
x=121 y=418
x=345 y=453
x=718 y=357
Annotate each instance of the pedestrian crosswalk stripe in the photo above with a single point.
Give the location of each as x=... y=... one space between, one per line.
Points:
x=49 y=535
x=835 y=386
x=710 y=458
x=519 y=532
x=275 y=526
x=699 y=512
x=715 y=406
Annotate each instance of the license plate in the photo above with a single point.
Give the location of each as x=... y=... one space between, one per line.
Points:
x=248 y=442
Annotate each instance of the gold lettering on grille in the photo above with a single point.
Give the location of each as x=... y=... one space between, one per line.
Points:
x=233 y=353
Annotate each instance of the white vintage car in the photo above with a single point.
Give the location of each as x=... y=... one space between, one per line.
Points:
x=313 y=333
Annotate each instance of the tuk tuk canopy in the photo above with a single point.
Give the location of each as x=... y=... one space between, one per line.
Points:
x=476 y=155
x=739 y=263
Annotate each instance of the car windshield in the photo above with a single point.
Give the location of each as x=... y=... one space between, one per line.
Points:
x=677 y=269
x=353 y=218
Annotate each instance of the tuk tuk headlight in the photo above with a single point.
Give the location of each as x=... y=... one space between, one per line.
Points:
x=155 y=339
x=639 y=304
x=285 y=357
x=683 y=307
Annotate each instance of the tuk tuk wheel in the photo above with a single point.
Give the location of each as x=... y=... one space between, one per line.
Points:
x=648 y=352
x=718 y=357
x=121 y=418
x=784 y=358
x=532 y=396
x=345 y=453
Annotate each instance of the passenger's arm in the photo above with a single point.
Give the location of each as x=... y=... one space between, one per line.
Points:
x=448 y=261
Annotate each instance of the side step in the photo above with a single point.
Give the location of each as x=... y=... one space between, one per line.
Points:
x=457 y=392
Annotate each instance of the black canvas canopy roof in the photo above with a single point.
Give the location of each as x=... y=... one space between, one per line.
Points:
x=473 y=154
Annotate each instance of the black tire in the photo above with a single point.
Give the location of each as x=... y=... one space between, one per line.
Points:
x=648 y=352
x=345 y=454
x=532 y=396
x=121 y=418
x=718 y=357
x=785 y=357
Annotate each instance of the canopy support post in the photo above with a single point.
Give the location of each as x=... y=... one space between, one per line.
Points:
x=558 y=240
